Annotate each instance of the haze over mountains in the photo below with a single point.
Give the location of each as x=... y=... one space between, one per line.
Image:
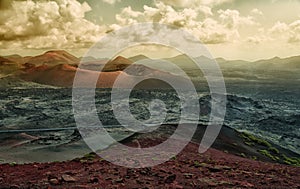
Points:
x=58 y=68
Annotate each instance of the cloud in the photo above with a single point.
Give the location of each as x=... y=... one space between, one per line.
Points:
x=259 y=39
x=289 y=32
x=111 y=2
x=201 y=6
x=194 y=3
x=257 y=12
x=294 y=32
x=280 y=33
x=47 y=24
x=128 y=16
x=208 y=30
x=232 y=19
x=279 y=27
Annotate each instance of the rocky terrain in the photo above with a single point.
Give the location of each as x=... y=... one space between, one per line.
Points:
x=213 y=169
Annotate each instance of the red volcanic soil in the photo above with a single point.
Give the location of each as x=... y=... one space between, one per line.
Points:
x=62 y=75
x=213 y=169
x=58 y=68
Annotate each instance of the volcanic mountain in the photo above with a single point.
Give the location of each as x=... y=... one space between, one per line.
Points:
x=53 y=58
x=7 y=66
x=118 y=64
x=138 y=58
x=58 y=68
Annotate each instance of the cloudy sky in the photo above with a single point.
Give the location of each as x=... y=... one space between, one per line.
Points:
x=232 y=29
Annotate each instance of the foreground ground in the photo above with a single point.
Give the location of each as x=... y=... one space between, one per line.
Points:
x=213 y=169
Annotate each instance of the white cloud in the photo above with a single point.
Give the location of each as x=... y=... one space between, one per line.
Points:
x=111 y=2
x=232 y=19
x=127 y=16
x=256 y=12
x=47 y=24
x=294 y=32
x=208 y=30
x=288 y=32
x=215 y=2
x=279 y=27
x=61 y=24
x=259 y=39
x=203 y=7
x=194 y=3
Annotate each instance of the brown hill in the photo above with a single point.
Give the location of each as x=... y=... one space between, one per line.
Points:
x=63 y=75
x=90 y=63
x=118 y=64
x=7 y=66
x=4 y=60
x=17 y=58
x=216 y=168
x=53 y=58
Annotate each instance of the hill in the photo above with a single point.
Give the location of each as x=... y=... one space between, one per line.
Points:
x=53 y=58
x=138 y=58
x=118 y=64
x=32 y=68
x=8 y=66
x=216 y=168
x=62 y=75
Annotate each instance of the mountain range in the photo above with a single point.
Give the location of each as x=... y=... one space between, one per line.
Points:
x=58 y=68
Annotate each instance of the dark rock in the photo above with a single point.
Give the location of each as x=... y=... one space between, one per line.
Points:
x=214 y=169
x=14 y=187
x=94 y=180
x=170 y=179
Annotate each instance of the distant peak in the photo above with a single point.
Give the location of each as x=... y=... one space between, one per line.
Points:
x=13 y=56
x=276 y=58
x=205 y=57
x=220 y=59
x=121 y=60
x=57 y=52
x=181 y=55
x=138 y=57
x=119 y=57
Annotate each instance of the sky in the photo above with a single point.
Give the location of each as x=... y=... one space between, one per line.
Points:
x=231 y=29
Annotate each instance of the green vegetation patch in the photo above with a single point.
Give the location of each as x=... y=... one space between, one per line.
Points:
x=274 y=150
x=269 y=155
x=270 y=151
x=291 y=160
x=250 y=139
